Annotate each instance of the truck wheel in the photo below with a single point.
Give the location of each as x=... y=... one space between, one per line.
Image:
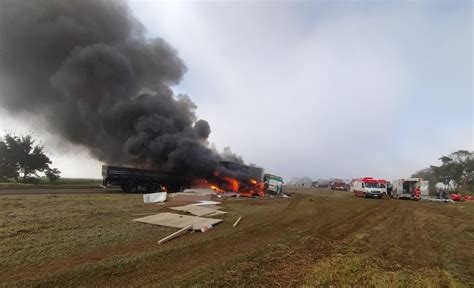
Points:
x=130 y=187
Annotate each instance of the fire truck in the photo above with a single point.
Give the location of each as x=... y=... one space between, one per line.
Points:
x=411 y=188
x=366 y=187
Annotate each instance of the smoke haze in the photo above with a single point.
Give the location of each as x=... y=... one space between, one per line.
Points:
x=86 y=68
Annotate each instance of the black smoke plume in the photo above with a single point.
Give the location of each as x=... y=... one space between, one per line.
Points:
x=87 y=68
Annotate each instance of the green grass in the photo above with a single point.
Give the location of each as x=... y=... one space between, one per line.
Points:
x=63 y=183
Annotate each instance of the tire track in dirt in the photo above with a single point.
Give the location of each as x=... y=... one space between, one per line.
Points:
x=317 y=246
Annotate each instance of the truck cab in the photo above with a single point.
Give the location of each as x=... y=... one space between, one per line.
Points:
x=273 y=184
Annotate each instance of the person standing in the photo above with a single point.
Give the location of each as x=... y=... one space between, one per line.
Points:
x=417 y=193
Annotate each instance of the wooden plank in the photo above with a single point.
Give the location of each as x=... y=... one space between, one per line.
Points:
x=237 y=222
x=175 y=234
x=178 y=221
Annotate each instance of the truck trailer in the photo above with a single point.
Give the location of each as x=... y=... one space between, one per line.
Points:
x=133 y=180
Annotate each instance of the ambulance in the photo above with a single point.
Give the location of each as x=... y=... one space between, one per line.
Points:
x=411 y=188
x=383 y=184
x=366 y=187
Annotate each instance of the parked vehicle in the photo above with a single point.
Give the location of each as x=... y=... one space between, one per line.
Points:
x=411 y=188
x=338 y=184
x=366 y=187
x=383 y=185
x=133 y=180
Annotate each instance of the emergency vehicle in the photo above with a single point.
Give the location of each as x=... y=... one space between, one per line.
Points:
x=366 y=187
x=411 y=188
x=383 y=185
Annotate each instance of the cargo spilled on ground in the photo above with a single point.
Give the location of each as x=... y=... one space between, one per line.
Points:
x=316 y=237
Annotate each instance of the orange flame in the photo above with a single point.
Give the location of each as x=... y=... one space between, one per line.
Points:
x=248 y=188
x=234 y=184
x=217 y=189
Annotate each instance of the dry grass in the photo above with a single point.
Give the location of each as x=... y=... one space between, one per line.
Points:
x=63 y=183
x=313 y=239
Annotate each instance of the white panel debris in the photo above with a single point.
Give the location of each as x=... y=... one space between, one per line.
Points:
x=154 y=197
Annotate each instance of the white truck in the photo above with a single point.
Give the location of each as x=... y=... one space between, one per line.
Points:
x=411 y=188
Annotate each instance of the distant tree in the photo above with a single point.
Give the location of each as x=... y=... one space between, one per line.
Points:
x=8 y=167
x=53 y=175
x=456 y=170
x=21 y=158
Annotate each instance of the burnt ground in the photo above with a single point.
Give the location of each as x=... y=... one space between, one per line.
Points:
x=315 y=238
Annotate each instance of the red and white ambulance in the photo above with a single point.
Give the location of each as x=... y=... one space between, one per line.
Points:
x=383 y=184
x=366 y=187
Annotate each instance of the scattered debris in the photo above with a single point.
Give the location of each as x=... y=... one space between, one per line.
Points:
x=141 y=214
x=155 y=197
x=178 y=221
x=237 y=222
x=467 y=197
x=206 y=228
x=188 y=197
x=199 y=191
x=205 y=202
x=228 y=194
x=431 y=199
x=175 y=234
x=198 y=210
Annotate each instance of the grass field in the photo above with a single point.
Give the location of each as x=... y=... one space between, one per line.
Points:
x=63 y=183
x=314 y=238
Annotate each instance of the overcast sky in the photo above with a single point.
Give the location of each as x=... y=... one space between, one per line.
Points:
x=340 y=89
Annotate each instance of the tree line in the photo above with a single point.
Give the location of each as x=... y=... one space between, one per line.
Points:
x=23 y=159
x=456 y=171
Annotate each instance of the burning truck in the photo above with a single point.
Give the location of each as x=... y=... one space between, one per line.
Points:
x=109 y=88
x=246 y=181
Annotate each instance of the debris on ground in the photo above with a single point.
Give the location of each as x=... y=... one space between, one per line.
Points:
x=459 y=197
x=174 y=220
x=206 y=203
x=237 y=222
x=159 y=197
x=228 y=194
x=206 y=228
x=175 y=234
x=199 y=210
x=200 y=191
x=431 y=199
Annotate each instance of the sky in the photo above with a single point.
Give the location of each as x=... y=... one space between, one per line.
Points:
x=321 y=89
